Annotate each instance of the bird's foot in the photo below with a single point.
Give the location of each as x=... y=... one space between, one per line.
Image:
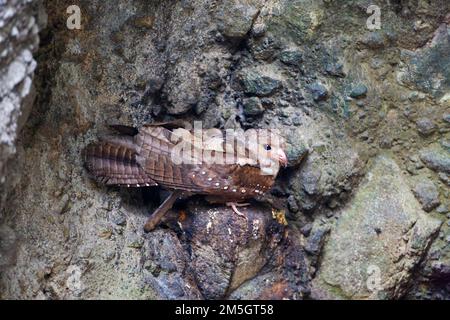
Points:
x=156 y=217
x=234 y=206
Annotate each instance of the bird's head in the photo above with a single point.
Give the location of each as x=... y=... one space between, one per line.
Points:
x=267 y=147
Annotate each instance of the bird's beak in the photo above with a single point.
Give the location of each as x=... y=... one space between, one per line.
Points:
x=282 y=158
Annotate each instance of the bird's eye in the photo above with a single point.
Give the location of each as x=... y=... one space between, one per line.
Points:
x=267 y=147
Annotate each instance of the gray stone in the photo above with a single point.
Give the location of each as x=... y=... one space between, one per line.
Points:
x=18 y=40
x=442 y=209
x=292 y=204
x=259 y=29
x=285 y=279
x=258 y=84
x=319 y=91
x=423 y=66
x=188 y=70
x=445 y=143
x=292 y=21
x=378 y=240
x=296 y=148
x=335 y=69
x=254 y=288
x=446 y=117
x=374 y=40
x=441 y=270
x=164 y=266
x=253 y=107
x=8 y=246
x=332 y=165
x=227 y=250
x=358 y=91
x=291 y=57
x=436 y=158
x=427 y=194
x=444 y=178
x=236 y=17
x=118 y=218
x=425 y=126
x=306 y=229
x=264 y=48
x=316 y=240
x=310 y=182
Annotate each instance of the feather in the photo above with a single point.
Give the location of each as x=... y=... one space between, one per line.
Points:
x=227 y=168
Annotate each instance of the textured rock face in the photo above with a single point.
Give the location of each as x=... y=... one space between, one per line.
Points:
x=339 y=93
x=426 y=69
x=379 y=239
x=436 y=158
x=227 y=251
x=18 y=40
x=235 y=18
x=427 y=194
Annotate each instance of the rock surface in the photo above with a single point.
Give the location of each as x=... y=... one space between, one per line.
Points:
x=379 y=239
x=18 y=40
x=340 y=94
x=427 y=194
x=436 y=158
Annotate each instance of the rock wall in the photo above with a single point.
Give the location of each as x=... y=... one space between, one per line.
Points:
x=365 y=114
x=18 y=40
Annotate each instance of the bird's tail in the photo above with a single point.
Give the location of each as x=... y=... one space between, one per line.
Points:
x=113 y=162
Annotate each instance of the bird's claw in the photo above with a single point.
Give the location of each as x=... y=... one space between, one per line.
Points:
x=234 y=206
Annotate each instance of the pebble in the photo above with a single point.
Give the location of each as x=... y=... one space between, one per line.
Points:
x=118 y=218
x=259 y=85
x=359 y=91
x=259 y=29
x=318 y=91
x=444 y=178
x=291 y=57
x=425 y=127
x=446 y=117
x=436 y=158
x=335 y=69
x=253 y=107
x=427 y=194
x=374 y=40
x=442 y=209
x=296 y=149
x=292 y=204
x=306 y=229
x=316 y=240
x=135 y=241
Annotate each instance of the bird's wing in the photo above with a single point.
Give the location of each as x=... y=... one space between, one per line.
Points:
x=174 y=160
x=155 y=147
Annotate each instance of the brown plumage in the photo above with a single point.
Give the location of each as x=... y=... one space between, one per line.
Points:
x=175 y=160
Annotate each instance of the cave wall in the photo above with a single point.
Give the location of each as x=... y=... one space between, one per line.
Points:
x=19 y=26
x=365 y=114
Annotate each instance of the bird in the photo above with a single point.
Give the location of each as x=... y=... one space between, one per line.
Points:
x=229 y=167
